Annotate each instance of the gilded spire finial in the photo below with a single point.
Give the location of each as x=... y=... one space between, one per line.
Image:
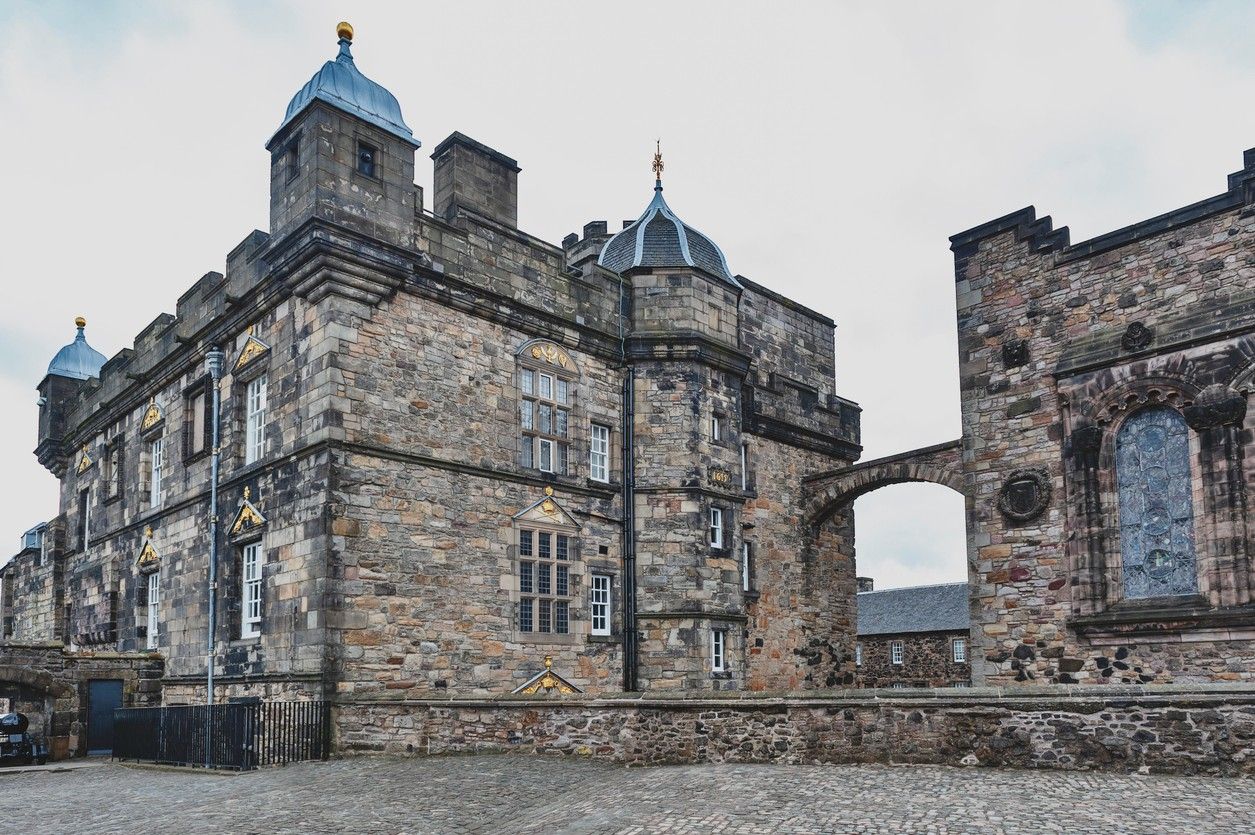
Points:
x=548 y=662
x=344 y=30
x=658 y=161
x=148 y=531
x=80 y=322
x=247 y=492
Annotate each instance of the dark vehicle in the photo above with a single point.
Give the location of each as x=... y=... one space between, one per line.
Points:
x=17 y=747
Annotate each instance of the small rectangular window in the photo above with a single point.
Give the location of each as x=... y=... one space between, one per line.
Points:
x=255 y=428
x=599 y=603
x=562 y=543
x=367 y=159
x=542 y=615
x=84 y=518
x=716 y=528
x=745 y=467
x=543 y=577
x=897 y=685
x=546 y=386
x=114 y=468
x=958 y=650
x=960 y=684
x=158 y=460
x=525 y=614
x=895 y=652
x=525 y=414
x=561 y=617
x=154 y=608
x=718 y=650
x=196 y=412
x=599 y=452
x=545 y=464
x=526 y=377
x=562 y=581
x=858 y=655
x=251 y=591
x=716 y=428
x=291 y=163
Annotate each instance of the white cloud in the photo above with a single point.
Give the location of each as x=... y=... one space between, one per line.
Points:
x=830 y=148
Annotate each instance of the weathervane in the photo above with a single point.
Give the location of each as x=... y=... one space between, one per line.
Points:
x=658 y=161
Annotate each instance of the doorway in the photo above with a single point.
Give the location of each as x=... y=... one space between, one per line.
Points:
x=103 y=697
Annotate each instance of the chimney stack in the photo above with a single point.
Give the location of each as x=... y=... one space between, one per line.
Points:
x=866 y=584
x=470 y=175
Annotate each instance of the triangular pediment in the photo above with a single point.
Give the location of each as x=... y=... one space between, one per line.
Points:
x=148 y=558
x=84 y=461
x=152 y=417
x=247 y=519
x=253 y=348
x=547 y=511
x=547 y=683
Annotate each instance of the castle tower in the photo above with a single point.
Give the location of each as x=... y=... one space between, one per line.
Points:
x=344 y=154
x=688 y=370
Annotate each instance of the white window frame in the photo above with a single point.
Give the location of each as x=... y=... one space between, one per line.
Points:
x=87 y=520
x=544 y=445
x=716 y=527
x=897 y=652
x=599 y=604
x=154 y=606
x=599 y=452
x=958 y=650
x=858 y=655
x=255 y=425
x=960 y=684
x=157 y=456
x=745 y=565
x=745 y=467
x=718 y=650
x=898 y=685
x=716 y=428
x=251 y=590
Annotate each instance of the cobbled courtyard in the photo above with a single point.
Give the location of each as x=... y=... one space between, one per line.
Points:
x=533 y=794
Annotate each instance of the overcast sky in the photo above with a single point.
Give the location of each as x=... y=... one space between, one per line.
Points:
x=829 y=148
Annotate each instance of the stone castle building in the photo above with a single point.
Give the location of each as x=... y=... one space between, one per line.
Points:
x=449 y=450
x=457 y=460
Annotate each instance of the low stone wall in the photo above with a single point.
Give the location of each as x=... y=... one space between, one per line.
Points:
x=1197 y=730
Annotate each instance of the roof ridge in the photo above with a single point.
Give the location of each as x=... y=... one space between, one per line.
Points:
x=924 y=586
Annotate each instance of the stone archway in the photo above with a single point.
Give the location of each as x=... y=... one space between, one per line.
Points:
x=830 y=491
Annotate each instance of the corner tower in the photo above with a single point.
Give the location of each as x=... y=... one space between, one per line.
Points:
x=68 y=372
x=344 y=154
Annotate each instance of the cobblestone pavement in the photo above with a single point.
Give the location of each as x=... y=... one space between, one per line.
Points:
x=521 y=794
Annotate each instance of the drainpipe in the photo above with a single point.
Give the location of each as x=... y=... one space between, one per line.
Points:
x=630 y=644
x=213 y=365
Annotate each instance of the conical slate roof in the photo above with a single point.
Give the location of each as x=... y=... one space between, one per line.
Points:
x=341 y=84
x=78 y=360
x=660 y=239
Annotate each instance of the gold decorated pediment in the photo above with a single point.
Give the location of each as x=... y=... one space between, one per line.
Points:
x=552 y=354
x=152 y=417
x=547 y=683
x=84 y=461
x=253 y=348
x=148 y=558
x=248 y=518
x=547 y=511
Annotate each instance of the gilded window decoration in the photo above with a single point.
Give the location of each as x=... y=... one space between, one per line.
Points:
x=248 y=518
x=85 y=461
x=1156 y=510
x=253 y=348
x=152 y=416
x=546 y=683
x=148 y=559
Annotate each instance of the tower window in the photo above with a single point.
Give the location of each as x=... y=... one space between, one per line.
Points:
x=718 y=650
x=366 y=159
x=895 y=652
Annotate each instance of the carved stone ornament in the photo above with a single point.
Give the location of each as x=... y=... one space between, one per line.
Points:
x=1024 y=495
x=253 y=348
x=551 y=354
x=547 y=683
x=1216 y=405
x=247 y=519
x=148 y=558
x=719 y=477
x=1014 y=353
x=85 y=461
x=1136 y=337
x=152 y=417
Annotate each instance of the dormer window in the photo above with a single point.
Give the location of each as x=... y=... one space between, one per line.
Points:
x=366 y=158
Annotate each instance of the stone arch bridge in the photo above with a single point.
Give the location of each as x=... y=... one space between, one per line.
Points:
x=830 y=491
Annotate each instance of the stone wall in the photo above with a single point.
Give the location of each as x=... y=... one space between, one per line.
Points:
x=927 y=661
x=1168 y=730
x=50 y=685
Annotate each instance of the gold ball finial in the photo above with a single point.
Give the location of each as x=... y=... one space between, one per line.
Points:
x=344 y=30
x=79 y=321
x=548 y=491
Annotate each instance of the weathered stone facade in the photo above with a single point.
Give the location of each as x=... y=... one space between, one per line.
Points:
x=928 y=660
x=389 y=479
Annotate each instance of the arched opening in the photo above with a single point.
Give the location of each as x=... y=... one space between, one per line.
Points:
x=911 y=535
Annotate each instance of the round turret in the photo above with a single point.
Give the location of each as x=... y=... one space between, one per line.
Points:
x=78 y=360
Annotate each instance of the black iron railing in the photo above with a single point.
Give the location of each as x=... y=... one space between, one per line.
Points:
x=233 y=736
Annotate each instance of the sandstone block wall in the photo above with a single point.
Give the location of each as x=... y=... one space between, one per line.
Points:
x=927 y=661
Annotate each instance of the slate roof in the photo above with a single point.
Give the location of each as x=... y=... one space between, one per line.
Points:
x=78 y=360
x=942 y=608
x=659 y=238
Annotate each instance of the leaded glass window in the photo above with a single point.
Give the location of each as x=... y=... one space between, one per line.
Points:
x=1156 y=505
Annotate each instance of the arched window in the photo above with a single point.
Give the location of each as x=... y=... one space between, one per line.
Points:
x=1156 y=505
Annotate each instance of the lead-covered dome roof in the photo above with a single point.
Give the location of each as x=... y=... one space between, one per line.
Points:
x=78 y=360
x=341 y=84
x=660 y=239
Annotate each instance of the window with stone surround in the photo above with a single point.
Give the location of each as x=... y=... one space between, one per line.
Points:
x=255 y=420
x=545 y=420
x=599 y=604
x=599 y=452
x=153 y=601
x=747 y=566
x=1155 y=501
x=716 y=528
x=198 y=420
x=718 y=650
x=367 y=160
x=113 y=469
x=84 y=517
x=157 y=463
x=251 y=562
x=858 y=655
x=895 y=652
x=545 y=580
x=958 y=650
